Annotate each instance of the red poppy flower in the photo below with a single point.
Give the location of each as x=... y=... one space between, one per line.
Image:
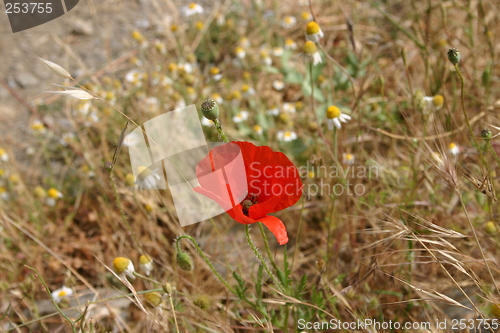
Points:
x=265 y=182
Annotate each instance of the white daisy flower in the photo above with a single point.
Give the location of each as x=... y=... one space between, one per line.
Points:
x=313 y=32
x=273 y=111
x=4 y=157
x=241 y=116
x=348 y=158
x=454 y=149
x=334 y=117
x=147 y=179
x=61 y=293
x=131 y=139
x=146 y=264
x=206 y=122
x=278 y=85
x=311 y=52
x=287 y=136
x=290 y=44
x=434 y=102
x=289 y=107
x=124 y=267
x=277 y=51
x=192 y=9
x=240 y=52
x=258 y=129
x=289 y=21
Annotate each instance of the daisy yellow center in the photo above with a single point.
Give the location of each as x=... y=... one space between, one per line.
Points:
x=214 y=70
x=192 y=5
x=287 y=134
x=2 y=152
x=288 y=19
x=310 y=48
x=306 y=15
x=333 y=112
x=349 y=157
x=120 y=264
x=53 y=193
x=245 y=88
x=199 y=25
x=3 y=189
x=190 y=90
x=62 y=293
x=174 y=28
x=143 y=171
x=312 y=28
x=311 y=174
x=37 y=126
x=257 y=128
x=289 y=42
x=246 y=75
x=264 y=54
x=438 y=101
x=172 y=67
x=452 y=145
x=239 y=50
x=143 y=259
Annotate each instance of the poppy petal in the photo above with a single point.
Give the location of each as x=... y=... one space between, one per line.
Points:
x=277 y=227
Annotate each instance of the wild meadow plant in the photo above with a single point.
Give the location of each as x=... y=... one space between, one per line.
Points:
x=367 y=148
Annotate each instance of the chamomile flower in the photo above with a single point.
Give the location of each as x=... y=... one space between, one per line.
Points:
x=244 y=42
x=289 y=107
x=148 y=179
x=150 y=104
x=453 y=149
x=290 y=44
x=278 y=85
x=348 y=158
x=217 y=98
x=146 y=264
x=52 y=196
x=37 y=127
x=239 y=52
x=4 y=157
x=257 y=129
x=286 y=136
x=288 y=21
x=206 y=122
x=313 y=32
x=124 y=267
x=277 y=51
x=185 y=67
x=265 y=59
x=273 y=111
x=134 y=77
x=220 y=19
x=132 y=139
x=4 y=195
x=306 y=16
x=215 y=74
x=241 y=116
x=67 y=138
x=434 y=102
x=192 y=9
x=61 y=293
x=247 y=91
x=311 y=52
x=334 y=117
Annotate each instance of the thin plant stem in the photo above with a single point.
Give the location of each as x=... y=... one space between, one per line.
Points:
x=261 y=259
x=173 y=313
x=73 y=328
x=477 y=241
x=204 y=257
x=223 y=135
x=320 y=130
x=266 y=245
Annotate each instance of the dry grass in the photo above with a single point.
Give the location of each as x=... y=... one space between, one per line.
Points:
x=418 y=244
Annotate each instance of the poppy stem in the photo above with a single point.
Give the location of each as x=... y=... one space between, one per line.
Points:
x=207 y=261
x=218 y=126
x=266 y=245
x=259 y=256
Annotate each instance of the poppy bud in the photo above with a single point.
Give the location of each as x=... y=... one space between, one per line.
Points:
x=210 y=109
x=184 y=261
x=486 y=134
x=454 y=56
